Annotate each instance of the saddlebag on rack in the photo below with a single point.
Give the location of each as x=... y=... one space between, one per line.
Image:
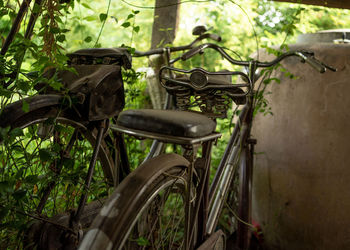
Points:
x=96 y=80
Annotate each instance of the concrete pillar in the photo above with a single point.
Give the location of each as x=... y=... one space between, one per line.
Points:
x=301 y=194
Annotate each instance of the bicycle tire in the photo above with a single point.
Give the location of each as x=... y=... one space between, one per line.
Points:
x=235 y=217
x=31 y=165
x=125 y=220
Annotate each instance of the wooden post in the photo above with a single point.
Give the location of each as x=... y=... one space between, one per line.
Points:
x=165 y=22
x=163 y=32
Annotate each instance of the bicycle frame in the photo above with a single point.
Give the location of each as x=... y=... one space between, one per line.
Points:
x=238 y=154
x=210 y=202
x=201 y=212
x=239 y=142
x=239 y=151
x=231 y=153
x=157 y=146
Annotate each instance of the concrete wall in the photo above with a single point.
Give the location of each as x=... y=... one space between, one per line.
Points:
x=301 y=193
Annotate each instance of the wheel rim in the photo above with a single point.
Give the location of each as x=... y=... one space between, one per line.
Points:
x=160 y=222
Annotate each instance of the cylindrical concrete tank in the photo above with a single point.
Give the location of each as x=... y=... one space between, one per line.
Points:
x=301 y=189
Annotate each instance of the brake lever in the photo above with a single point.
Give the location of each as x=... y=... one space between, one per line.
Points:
x=309 y=58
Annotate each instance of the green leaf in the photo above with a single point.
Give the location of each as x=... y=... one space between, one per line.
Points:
x=103 y=17
x=25 y=106
x=3 y=212
x=64 y=30
x=5 y=187
x=277 y=80
x=36 y=8
x=142 y=241
x=126 y=24
x=19 y=194
x=58 y=19
x=130 y=16
x=68 y=163
x=31 y=179
x=5 y=92
x=4 y=132
x=56 y=147
x=41 y=33
x=45 y=155
x=12 y=14
x=86 y=6
x=136 y=12
x=19 y=173
x=136 y=29
x=88 y=39
x=56 y=85
x=61 y=38
x=54 y=30
x=89 y=18
x=61 y=58
x=284 y=46
x=16 y=132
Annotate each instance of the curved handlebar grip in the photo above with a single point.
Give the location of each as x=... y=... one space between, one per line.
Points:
x=215 y=37
x=315 y=64
x=191 y=53
x=309 y=58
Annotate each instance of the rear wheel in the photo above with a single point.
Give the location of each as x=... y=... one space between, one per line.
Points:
x=147 y=211
x=44 y=157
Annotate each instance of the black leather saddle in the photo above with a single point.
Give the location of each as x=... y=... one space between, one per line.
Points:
x=167 y=122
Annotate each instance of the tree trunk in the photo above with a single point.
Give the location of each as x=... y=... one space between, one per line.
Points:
x=163 y=32
x=165 y=22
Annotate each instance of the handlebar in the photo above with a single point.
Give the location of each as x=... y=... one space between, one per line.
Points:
x=306 y=56
x=316 y=64
x=214 y=37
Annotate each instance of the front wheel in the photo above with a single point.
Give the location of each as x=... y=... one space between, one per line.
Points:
x=147 y=210
x=235 y=218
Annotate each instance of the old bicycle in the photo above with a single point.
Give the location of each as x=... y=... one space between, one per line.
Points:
x=169 y=201
x=49 y=154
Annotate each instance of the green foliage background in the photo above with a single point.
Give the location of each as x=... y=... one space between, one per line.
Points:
x=65 y=26
x=245 y=26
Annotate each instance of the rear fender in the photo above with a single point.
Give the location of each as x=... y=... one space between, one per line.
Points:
x=14 y=111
